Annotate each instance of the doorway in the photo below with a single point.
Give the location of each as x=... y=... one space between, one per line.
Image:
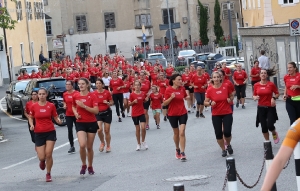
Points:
x=84 y=49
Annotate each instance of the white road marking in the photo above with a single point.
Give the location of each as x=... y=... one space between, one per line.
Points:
x=3 y=140
x=24 y=161
x=9 y=115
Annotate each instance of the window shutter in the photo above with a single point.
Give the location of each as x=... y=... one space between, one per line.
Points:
x=280 y=2
x=84 y=23
x=296 y=1
x=249 y=4
x=149 y=22
x=244 y=4
x=258 y=3
x=78 y=23
x=224 y=11
x=198 y=11
x=232 y=13
x=20 y=11
x=144 y=20
x=137 y=21
x=112 y=20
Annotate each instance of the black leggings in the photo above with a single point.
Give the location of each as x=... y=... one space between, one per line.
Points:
x=32 y=134
x=293 y=109
x=267 y=118
x=240 y=91
x=118 y=101
x=226 y=121
x=70 y=121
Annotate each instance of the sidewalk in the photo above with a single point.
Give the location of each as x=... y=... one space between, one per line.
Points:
x=2 y=94
x=249 y=93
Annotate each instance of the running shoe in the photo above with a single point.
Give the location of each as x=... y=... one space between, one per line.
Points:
x=206 y=108
x=147 y=127
x=237 y=104
x=201 y=115
x=193 y=110
x=183 y=157
x=197 y=114
x=194 y=106
x=123 y=114
x=128 y=115
x=48 y=177
x=276 y=138
x=120 y=120
x=83 y=169
x=71 y=150
x=224 y=153
x=158 y=127
x=101 y=147
x=229 y=149
x=138 y=148
x=243 y=107
x=177 y=154
x=144 y=145
x=42 y=165
x=165 y=118
x=108 y=149
x=189 y=111
x=91 y=170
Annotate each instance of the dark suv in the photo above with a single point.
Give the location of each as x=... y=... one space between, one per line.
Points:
x=55 y=87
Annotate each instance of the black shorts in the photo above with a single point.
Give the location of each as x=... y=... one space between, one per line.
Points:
x=105 y=116
x=191 y=90
x=176 y=121
x=147 y=105
x=88 y=127
x=165 y=107
x=139 y=119
x=41 y=138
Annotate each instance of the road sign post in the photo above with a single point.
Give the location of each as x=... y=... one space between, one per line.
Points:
x=144 y=39
x=295 y=31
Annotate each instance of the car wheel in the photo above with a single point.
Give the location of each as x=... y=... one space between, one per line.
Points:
x=61 y=112
x=7 y=107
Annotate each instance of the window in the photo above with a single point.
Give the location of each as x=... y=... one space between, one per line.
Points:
x=29 y=10
x=165 y=16
x=45 y=2
x=38 y=10
x=41 y=10
x=198 y=10
x=244 y=4
x=225 y=11
x=258 y=3
x=81 y=23
x=249 y=4
x=143 y=20
x=109 y=20
x=253 y=4
x=19 y=10
x=48 y=28
x=112 y=49
x=286 y=2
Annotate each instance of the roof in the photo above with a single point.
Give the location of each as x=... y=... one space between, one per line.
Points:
x=47 y=17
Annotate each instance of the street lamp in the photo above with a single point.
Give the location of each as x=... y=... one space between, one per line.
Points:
x=229 y=20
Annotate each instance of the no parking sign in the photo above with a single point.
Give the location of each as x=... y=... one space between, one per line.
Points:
x=294 y=27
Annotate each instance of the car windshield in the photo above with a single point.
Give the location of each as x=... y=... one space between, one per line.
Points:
x=202 y=57
x=157 y=56
x=20 y=86
x=185 y=53
x=58 y=84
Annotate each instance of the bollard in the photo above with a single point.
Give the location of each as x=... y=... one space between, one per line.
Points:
x=297 y=164
x=231 y=177
x=269 y=159
x=178 y=187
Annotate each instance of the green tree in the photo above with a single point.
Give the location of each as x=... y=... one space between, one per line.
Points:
x=203 y=21
x=6 y=22
x=217 y=26
x=236 y=44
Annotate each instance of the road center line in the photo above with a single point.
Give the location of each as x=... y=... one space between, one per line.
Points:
x=24 y=161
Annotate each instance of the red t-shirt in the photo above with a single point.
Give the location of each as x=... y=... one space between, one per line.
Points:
x=68 y=99
x=292 y=80
x=156 y=100
x=169 y=71
x=153 y=77
x=20 y=78
x=34 y=76
x=28 y=106
x=186 y=78
x=127 y=85
x=114 y=84
x=93 y=71
x=255 y=71
x=137 y=108
x=89 y=100
x=69 y=77
x=43 y=117
x=219 y=96
x=240 y=77
x=26 y=76
x=85 y=75
x=145 y=86
x=230 y=87
x=199 y=81
x=162 y=84
x=265 y=93
x=227 y=71
x=105 y=95
x=176 y=106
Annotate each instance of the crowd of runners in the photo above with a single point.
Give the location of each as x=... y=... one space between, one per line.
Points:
x=134 y=89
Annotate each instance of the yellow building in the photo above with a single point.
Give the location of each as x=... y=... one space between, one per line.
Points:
x=28 y=39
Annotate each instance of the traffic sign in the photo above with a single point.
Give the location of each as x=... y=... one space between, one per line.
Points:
x=144 y=37
x=294 y=27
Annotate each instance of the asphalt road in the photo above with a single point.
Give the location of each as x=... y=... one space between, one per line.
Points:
x=126 y=169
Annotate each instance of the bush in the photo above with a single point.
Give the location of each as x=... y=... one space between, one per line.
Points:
x=180 y=69
x=45 y=66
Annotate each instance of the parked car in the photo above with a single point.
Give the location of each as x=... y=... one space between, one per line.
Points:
x=202 y=56
x=13 y=96
x=157 y=56
x=55 y=87
x=199 y=63
x=240 y=61
x=185 y=57
x=29 y=69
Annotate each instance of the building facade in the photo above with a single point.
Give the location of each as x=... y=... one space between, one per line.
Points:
x=27 y=40
x=266 y=28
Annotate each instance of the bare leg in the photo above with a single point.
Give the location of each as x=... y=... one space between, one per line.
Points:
x=81 y=135
x=143 y=128
x=138 y=134
x=100 y=132
x=176 y=137
x=48 y=151
x=107 y=133
x=182 y=137
x=90 y=151
x=157 y=118
x=147 y=116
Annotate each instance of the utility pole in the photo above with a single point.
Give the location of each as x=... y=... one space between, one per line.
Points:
x=171 y=37
x=229 y=20
x=7 y=56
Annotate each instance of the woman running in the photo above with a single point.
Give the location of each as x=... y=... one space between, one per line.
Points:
x=283 y=155
x=186 y=77
x=266 y=107
x=163 y=83
x=218 y=96
x=45 y=135
x=136 y=100
x=34 y=99
x=177 y=113
x=292 y=91
x=240 y=78
x=85 y=107
x=145 y=88
x=255 y=73
x=70 y=117
x=104 y=116
x=199 y=82
x=116 y=85
x=156 y=101
x=126 y=93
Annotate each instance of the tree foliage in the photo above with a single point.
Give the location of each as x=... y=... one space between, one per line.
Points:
x=203 y=22
x=217 y=26
x=6 y=22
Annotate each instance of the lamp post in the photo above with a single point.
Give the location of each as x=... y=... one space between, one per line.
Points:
x=229 y=20
x=170 y=30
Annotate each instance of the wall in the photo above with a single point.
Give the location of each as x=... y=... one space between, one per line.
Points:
x=254 y=16
x=282 y=13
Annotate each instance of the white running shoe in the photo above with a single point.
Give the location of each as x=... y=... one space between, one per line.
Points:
x=206 y=108
x=138 y=147
x=128 y=115
x=145 y=146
